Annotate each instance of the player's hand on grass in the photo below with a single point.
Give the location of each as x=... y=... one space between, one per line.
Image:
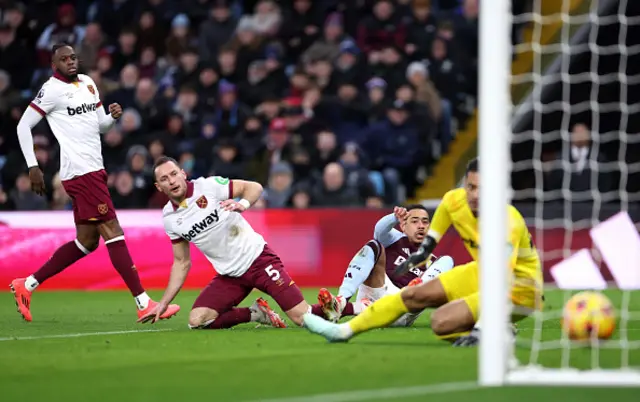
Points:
x=232 y=205
x=37 y=180
x=155 y=313
x=115 y=110
x=400 y=213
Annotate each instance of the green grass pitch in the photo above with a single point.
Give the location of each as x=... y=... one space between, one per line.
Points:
x=52 y=359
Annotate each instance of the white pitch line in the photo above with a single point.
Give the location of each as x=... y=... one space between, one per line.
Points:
x=384 y=393
x=80 y=335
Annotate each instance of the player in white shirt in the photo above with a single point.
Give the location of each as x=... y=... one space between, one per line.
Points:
x=71 y=104
x=203 y=212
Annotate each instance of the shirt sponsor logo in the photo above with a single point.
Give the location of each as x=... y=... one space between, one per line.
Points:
x=201 y=226
x=84 y=108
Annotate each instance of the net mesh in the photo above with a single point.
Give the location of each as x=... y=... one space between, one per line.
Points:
x=576 y=163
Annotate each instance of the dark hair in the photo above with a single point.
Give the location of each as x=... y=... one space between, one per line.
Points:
x=411 y=207
x=161 y=161
x=472 y=166
x=59 y=45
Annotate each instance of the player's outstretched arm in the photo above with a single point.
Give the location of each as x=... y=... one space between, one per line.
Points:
x=179 y=270
x=248 y=191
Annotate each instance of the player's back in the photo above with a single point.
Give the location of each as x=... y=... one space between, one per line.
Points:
x=527 y=261
x=71 y=109
x=462 y=218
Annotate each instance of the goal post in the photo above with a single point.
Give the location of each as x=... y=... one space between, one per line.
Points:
x=593 y=73
x=494 y=125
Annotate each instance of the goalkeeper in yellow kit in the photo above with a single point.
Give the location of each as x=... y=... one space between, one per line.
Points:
x=455 y=293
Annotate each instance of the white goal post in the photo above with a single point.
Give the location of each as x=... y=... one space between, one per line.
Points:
x=497 y=365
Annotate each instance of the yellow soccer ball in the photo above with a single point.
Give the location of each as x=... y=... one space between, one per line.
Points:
x=588 y=315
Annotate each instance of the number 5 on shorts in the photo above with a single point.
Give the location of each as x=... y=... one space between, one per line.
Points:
x=272 y=272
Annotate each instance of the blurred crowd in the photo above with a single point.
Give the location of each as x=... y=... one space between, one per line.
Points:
x=326 y=103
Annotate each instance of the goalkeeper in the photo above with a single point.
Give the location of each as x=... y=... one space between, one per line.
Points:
x=455 y=293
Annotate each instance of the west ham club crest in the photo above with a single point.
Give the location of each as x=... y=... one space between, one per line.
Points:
x=202 y=202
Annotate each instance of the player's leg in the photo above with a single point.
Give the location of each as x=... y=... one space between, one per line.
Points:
x=215 y=307
x=440 y=266
x=365 y=268
x=456 y=318
x=268 y=275
x=366 y=274
x=86 y=241
x=114 y=239
x=452 y=285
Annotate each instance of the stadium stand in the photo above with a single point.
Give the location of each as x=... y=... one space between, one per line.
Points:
x=326 y=103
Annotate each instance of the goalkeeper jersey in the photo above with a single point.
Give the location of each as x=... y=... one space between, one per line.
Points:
x=454 y=210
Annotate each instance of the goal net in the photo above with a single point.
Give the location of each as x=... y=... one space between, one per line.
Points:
x=566 y=153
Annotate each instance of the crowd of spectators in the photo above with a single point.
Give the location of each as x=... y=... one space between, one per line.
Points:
x=326 y=103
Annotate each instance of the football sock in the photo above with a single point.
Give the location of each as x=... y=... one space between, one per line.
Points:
x=349 y=310
x=122 y=262
x=379 y=314
x=231 y=318
x=358 y=271
x=316 y=309
x=63 y=257
x=142 y=300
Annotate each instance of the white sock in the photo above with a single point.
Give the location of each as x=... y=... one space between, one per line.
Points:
x=142 y=300
x=440 y=266
x=346 y=330
x=358 y=271
x=31 y=283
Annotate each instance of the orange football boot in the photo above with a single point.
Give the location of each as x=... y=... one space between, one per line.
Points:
x=172 y=310
x=273 y=317
x=22 y=297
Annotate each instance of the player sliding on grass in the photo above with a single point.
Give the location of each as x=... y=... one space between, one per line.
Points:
x=371 y=271
x=454 y=293
x=71 y=104
x=203 y=212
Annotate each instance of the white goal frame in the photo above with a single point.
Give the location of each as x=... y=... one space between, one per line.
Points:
x=496 y=365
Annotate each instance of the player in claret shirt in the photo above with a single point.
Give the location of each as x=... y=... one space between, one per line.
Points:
x=203 y=212
x=71 y=104
x=371 y=272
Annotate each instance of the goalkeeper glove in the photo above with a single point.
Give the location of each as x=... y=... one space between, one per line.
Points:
x=417 y=258
x=468 y=340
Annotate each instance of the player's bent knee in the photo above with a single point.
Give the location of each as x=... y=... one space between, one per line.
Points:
x=453 y=317
x=200 y=317
x=446 y=261
x=442 y=323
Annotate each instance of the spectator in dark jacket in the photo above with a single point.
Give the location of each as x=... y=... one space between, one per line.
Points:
x=383 y=28
x=333 y=190
x=217 y=30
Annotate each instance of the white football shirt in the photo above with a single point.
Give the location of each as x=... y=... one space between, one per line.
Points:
x=71 y=109
x=225 y=238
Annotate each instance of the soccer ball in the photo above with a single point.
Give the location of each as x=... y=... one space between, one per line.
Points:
x=588 y=315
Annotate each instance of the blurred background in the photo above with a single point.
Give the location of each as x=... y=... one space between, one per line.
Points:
x=338 y=103
x=360 y=104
